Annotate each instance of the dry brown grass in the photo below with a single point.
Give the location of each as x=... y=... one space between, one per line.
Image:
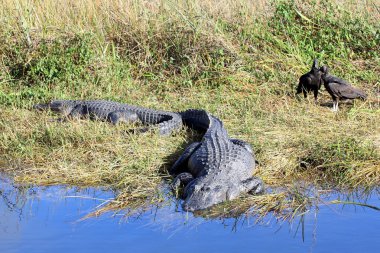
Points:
x=40 y=19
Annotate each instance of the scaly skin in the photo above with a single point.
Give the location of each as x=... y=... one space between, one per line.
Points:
x=115 y=112
x=217 y=168
x=214 y=170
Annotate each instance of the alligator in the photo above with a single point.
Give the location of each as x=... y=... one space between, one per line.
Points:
x=339 y=88
x=115 y=112
x=212 y=171
x=215 y=169
x=310 y=81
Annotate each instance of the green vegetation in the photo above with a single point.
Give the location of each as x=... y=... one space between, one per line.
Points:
x=240 y=60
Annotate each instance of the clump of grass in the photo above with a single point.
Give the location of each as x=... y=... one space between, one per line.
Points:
x=47 y=62
x=315 y=28
x=240 y=61
x=336 y=161
x=182 y=51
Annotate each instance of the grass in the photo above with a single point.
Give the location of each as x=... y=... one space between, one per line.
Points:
x=239 y=60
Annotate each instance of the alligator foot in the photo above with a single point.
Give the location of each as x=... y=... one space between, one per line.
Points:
x=183 y=159
x=254 y=185
x=182 y=179
x=122 y=116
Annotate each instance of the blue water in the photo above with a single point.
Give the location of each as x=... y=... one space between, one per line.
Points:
x=48 y=220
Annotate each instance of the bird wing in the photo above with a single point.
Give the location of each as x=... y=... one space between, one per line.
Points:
x=345 y=91
x=334 y=79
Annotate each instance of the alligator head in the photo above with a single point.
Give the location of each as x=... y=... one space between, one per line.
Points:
x=63 y=107
x=202 y=193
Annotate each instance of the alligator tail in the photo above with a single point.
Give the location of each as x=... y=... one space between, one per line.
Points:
x=196 y=119
x=170 y=125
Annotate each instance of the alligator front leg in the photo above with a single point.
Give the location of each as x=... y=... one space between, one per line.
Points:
x=78 y=112
x=122 y=116
x=253 y=185
x=184 y=158
x=182 y=179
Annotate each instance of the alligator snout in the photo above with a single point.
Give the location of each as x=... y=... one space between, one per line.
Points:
x=41 y=107
x=188 y=207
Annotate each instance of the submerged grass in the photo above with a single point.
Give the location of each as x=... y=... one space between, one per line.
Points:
x=240 y=60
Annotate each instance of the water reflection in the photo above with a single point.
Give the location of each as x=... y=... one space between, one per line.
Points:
x=47 y=219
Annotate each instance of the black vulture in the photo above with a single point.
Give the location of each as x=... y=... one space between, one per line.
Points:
x=311 y=81
x=339 y=88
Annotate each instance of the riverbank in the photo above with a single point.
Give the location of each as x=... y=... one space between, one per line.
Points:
x=241 y=62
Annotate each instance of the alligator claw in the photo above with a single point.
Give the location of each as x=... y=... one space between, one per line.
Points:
x=176 y=184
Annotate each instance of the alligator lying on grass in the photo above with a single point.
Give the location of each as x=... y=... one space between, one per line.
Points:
x=217 y=168
x=115 y=112
x=214 y=170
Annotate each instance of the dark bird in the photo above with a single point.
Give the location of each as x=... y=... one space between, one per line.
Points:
x=311 y=81
x=339 y=88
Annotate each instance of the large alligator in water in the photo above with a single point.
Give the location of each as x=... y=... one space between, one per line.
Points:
x=215 y=169
x=115 y=112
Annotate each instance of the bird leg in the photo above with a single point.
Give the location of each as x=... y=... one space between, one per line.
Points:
x=335 y=105
x=316 y=97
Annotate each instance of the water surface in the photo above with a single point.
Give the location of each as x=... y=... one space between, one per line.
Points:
x=49 y=220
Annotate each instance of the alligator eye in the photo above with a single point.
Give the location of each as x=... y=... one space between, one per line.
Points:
x=206 y=188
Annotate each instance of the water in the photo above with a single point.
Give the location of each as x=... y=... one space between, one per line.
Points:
x=46 y=220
